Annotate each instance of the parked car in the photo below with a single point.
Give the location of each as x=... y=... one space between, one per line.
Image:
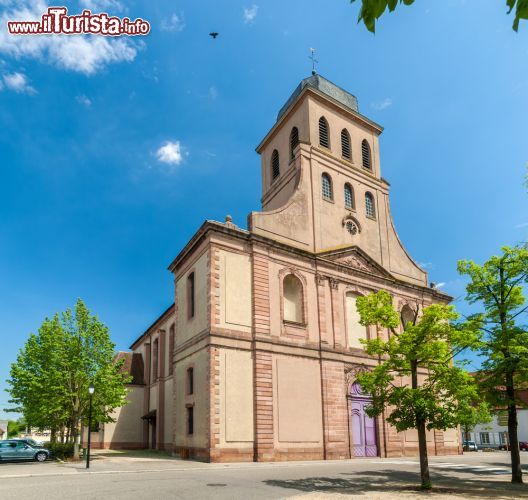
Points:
x=523 y=446
x=470 y=446
x=20 y=449
x=31 y=442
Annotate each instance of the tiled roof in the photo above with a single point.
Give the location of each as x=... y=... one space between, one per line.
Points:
x=133 y=366
x=326 y=87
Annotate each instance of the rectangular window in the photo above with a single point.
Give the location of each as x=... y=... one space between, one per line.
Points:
x=190 y=296
x=190 y=420
x=484 y=438
x=190 y=381
x=171 y=349
x=155 y=361
x=503 y=438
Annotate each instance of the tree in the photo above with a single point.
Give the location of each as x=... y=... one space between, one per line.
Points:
x=15 y=427
x=416 y=381
x=372 y=10
x=50 y=378
x=482 y=415
x=497 y=286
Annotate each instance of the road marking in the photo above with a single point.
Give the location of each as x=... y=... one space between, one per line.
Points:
x=69 y=471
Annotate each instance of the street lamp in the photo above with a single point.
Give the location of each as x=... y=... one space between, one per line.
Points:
x=91 y=390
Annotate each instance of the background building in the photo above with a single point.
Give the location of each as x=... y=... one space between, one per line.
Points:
x=495 y=434
x=3 y=429
x=257 y=357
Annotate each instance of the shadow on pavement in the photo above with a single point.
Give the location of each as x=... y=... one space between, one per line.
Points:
x=149 y=454
x=396 y=482
x=25 y=462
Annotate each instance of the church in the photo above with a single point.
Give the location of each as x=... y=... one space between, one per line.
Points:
x=257 y=355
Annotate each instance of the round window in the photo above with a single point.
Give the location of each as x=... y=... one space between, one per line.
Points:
x=351 y=227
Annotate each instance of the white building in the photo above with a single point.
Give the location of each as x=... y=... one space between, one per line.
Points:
x=495 y=433
x=3 y=429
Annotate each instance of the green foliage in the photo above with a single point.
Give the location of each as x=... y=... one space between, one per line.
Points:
x=15 y=427
x=372 y=10
x=50 y=378
x=60 y=450
x=498 y=286
x=447 y=396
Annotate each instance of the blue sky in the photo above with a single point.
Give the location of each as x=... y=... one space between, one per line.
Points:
x=92 y=207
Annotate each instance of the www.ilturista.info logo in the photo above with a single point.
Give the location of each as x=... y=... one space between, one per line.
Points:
x=57 y=21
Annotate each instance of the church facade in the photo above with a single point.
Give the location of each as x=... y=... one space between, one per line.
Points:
x=256 y=358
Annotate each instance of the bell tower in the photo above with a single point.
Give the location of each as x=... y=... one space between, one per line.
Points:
x=322 y=189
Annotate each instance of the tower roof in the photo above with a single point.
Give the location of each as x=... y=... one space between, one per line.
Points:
x=326 y=87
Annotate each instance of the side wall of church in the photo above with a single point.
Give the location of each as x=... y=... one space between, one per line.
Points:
x=195 y=442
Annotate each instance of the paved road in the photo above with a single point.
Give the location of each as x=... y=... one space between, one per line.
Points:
x=134 y=477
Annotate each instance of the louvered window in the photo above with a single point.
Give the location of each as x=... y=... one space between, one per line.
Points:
x=294 y=141
x=349 y=196
x=370 y=210
x=327 y=187
x=346 y=152
x=365 y=153
x=275 y=166
x=324 y=136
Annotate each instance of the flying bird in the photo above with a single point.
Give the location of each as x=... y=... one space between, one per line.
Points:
x=214 y=34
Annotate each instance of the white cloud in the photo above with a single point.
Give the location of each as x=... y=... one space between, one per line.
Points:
x=102 y=5
x=170 y=153
x=173 y=23
x=213 y=93
x=250 y=13
x=383 y=104
x=83 y=54
x=440 y=285
x=522 y=225
x=84 y=100
x=426 y=265
x=18 y=82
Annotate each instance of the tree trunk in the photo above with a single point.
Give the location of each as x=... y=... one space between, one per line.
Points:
x=512 y=432
x=424 y=460
x=422 y=438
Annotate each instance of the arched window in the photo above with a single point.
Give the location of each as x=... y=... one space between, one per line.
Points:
x=355 y=330
x=293 y=299
x=275 y=165
x=407 y=315
x=346 y=151
x=365 y=154
x=349 y=196
x=324 y=135
x=294 y=140
x=190 y=296
x=326 y=183
x=370 y=209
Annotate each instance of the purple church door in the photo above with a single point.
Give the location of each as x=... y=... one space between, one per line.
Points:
x=363 y=440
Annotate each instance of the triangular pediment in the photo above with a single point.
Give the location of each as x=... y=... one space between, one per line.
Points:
x=355 y=258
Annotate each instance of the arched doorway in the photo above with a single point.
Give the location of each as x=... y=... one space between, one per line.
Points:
x=363 y=436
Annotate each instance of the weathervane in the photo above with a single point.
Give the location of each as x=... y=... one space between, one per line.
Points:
x=313 y=59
